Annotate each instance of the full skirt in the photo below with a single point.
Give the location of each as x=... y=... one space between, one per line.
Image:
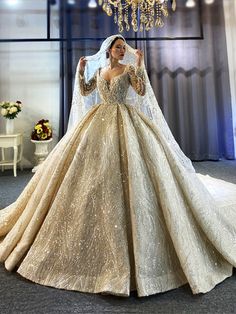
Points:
x=112 y=209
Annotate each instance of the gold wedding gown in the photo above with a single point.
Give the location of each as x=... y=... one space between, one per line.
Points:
x=112 y=210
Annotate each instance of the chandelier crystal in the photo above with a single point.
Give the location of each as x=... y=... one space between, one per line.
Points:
x=138 y=14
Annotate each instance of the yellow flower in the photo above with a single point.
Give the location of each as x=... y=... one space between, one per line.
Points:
x=39 y=130
x=46 y=124
x=44 y=136
x=38 y=126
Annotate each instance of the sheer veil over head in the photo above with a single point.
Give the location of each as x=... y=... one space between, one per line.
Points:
x=147 y=104
x=81 y=104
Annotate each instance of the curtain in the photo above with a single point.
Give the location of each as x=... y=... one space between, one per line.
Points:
x=191 y=82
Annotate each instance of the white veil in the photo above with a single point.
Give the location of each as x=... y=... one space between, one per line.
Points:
x=147 y=103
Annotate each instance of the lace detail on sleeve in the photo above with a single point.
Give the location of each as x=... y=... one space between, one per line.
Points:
x=87 y=88
x=137 y=79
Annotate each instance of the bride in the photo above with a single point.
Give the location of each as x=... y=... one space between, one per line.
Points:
x=117 y=206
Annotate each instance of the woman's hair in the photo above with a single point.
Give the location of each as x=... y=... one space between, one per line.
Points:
x=112 y=43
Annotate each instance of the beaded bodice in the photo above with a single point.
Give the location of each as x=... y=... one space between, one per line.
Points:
x=113 y=91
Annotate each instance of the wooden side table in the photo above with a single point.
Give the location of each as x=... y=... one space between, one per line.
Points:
x=16 y=142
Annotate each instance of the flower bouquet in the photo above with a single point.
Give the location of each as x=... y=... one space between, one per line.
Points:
x=42 y=131
x=10 y=110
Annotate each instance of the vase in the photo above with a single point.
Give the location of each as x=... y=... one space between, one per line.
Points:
x=9 y=126
x=41 y=152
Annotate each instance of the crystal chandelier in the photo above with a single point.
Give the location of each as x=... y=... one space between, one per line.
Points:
x=141 y=14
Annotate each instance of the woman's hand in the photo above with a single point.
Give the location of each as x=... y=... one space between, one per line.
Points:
x=82 y=64
x=139 y=56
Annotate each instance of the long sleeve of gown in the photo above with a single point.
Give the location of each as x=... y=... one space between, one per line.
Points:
x=137 y=79
x=87 y=87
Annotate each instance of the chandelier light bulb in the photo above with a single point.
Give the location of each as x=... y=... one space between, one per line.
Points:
x=92 y=4
x=190 y=3
x=209 y=1
x=71 y=2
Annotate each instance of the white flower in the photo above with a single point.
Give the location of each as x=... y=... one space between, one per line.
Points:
x=4 y=112
x=14 y=109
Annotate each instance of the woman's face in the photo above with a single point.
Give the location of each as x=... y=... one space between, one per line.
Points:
x=117 y=51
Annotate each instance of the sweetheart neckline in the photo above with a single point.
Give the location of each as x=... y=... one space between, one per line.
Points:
x=109 y=81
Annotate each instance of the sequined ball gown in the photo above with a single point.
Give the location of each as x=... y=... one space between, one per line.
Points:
x=112 y=210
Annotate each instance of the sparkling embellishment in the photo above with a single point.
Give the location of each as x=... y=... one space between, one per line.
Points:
x=113 y=208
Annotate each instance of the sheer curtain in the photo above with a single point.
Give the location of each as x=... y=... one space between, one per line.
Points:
x=191 y=81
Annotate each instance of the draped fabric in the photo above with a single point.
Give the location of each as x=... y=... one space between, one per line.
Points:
x=113 y=208
x=191 y=81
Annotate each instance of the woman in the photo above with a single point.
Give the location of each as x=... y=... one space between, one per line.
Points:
x=117 y=206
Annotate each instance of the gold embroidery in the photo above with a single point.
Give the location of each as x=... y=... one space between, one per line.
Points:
x=137 y=79
x=87 y=88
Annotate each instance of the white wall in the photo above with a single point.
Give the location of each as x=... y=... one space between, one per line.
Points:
x=29 y=71
x=230 y=29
